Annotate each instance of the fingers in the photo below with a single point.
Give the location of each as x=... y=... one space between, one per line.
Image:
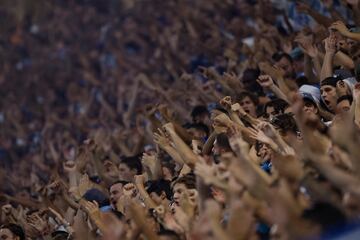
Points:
x=253 y=133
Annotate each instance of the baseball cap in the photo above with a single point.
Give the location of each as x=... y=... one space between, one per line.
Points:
x=311 y=93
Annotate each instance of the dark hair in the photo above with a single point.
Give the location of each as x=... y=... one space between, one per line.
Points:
x=59 y=235
x=326 y=215
x=279 y=55
x=198 y=126
x=188 y=180
x=345 y=97
x=278 y=104
x=169 y=164
x=222 y=141
x=133 y=162
x=119 y=182
x=250 y=75
x=221 y=109
x=159 y=186
x=199 y=110
x=94 y=194
x=249 y=80
x=169 y=233
x=285 y=122
x=15 y=229
x=245 y=94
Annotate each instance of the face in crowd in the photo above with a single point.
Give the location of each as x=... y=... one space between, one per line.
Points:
x=328 y=94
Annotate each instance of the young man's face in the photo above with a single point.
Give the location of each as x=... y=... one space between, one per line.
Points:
x=116 y=191
x=249 y=106
x=179 y=189
x=125 y=173
x=328 y=94
x=6 y=234
x=287 y=66
x=265 y=153
x=310 y=107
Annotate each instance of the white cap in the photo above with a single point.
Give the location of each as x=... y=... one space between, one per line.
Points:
x=311 y=92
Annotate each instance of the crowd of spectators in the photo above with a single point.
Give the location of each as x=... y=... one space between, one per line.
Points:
x=179 y=119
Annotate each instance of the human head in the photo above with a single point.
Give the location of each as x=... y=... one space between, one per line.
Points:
x=94 y=194
x=200 y=114
x=343 y=103
x=249 y=80
x=264 y=152
x=168 y=168
x=275 y=107
x=12 y=231
x=116 y=191
x=198 y=131
x=60 y=235
x=129 y=167
x=159 y=190
x=168 y=235
x=328 y=92
x=311 y=97
x=325 y=216
x=186 y=183
x=221 y=145
x=285 y=62
x=286 y=125
x=248 y=102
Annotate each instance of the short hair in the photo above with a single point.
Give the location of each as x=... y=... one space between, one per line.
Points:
x=278 y=104
x=221 y=109
x=345 y=97
x=250 y=75
x=245 y=94
x=326 y=215
x=132 y=163
x=159 y=186
x=199 y=110
x=94 y=194
x=169 y=164
x=188 y=180
x=119 y=182
x=222 y=141
x=198 y=126
x=169 y=233
x=60 y=235
x=285 y=122
x=15 y=229
x=279 y=55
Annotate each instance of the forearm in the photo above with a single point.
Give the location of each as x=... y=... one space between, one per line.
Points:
x=209 y=144
x=353 y=36
x=341 y=179
x=149 y=203
x=317 y=66
x=321 y=19
x=326 y=69
x=173 y=154
x=309 y=73
x=344 y=60
x=184 y=150
x=283 y=87
x=278 y=92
